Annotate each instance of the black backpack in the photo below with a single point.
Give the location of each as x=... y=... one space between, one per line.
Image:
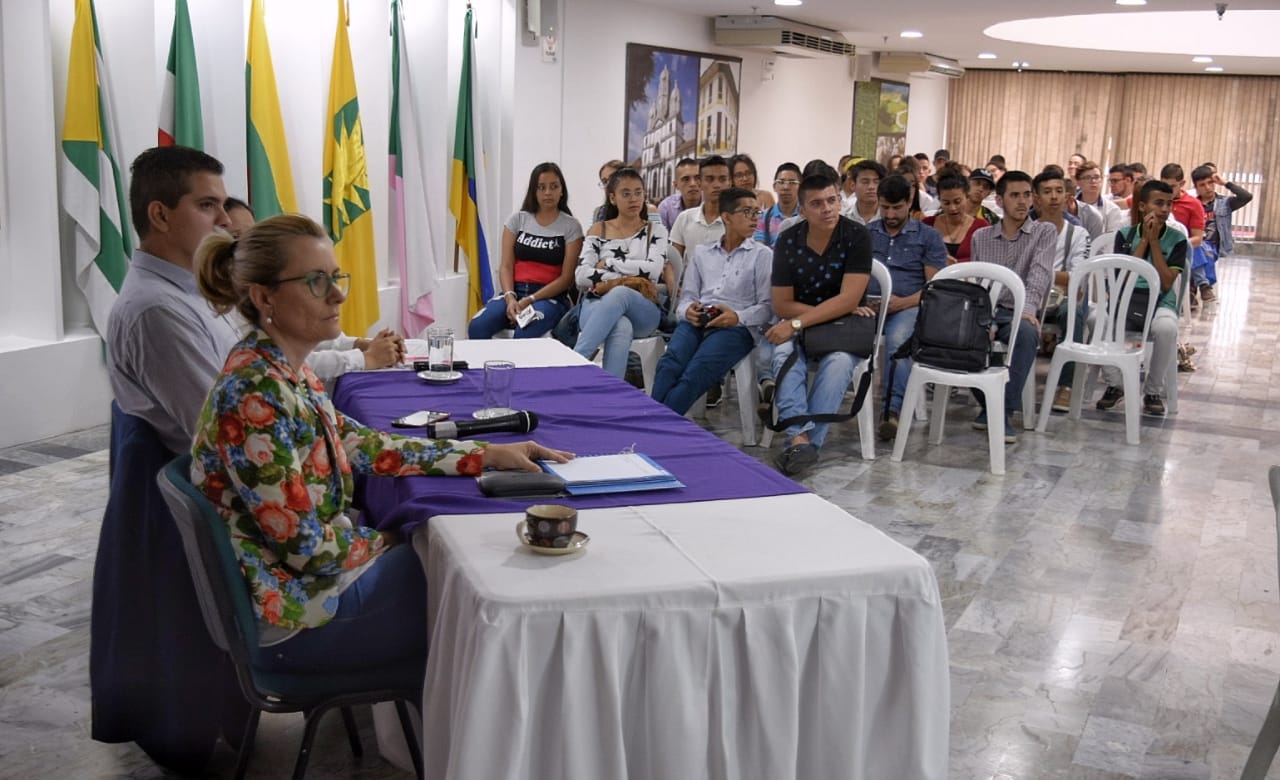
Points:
x=953 y=327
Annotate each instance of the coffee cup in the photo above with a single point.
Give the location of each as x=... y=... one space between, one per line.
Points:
x=550 y=525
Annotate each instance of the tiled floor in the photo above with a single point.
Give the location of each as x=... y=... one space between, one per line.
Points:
x=1112 y=610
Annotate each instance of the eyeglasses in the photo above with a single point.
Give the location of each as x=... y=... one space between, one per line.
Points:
x=786 y=182
x=1090 y=177
x=320 y=283
x=747 y=211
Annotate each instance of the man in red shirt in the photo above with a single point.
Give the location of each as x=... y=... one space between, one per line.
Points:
x=1188 y=210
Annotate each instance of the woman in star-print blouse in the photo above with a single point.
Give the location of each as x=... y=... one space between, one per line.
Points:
x=625 y=244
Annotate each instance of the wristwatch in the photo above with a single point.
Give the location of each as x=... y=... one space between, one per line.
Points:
x=796 y=325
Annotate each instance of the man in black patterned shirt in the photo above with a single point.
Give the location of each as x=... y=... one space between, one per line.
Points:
x=821 y=267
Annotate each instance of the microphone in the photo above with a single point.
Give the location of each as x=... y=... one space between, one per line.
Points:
x=520 y=422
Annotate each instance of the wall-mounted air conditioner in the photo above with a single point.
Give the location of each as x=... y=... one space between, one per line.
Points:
x=918 y=62
x=781 y=36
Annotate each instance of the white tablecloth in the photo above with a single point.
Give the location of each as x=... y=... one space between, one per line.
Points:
x=763 y=638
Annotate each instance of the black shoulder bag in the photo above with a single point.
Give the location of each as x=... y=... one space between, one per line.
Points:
x=851 y=333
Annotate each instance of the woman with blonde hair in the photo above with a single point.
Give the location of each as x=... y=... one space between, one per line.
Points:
x=277 y=459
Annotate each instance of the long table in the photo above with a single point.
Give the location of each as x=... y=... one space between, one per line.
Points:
x=765 y=637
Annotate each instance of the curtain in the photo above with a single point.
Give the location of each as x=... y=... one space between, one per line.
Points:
x=1038 y=118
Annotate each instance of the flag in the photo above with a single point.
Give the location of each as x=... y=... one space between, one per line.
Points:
x=270 y=177
x=347 y=209
x=180 y=118
x=92 y=193
x=417 y=280
x=463 y=192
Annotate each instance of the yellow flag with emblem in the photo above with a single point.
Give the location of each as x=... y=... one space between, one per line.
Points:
x=348 y=212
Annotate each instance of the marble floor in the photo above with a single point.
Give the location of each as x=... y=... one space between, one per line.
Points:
x=1112 y=610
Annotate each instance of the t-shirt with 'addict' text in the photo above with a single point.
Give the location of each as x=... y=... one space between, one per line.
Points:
x=539 y=250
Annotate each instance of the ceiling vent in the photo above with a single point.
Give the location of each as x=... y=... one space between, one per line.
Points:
x=780 y=36
x=917 y=62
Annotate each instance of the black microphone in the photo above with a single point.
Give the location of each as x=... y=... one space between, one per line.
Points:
x=520 y=422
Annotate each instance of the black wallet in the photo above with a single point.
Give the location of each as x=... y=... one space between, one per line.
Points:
x=509 y=484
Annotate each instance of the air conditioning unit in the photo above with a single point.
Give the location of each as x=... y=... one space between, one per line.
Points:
x=917 y=62
x=781 y=36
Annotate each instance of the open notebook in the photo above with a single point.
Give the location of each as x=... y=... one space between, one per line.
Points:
x=621 y=473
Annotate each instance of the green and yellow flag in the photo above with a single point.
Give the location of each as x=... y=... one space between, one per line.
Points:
x=92 y=193
x=270 y=177
x=348 y=212
x=465 y=192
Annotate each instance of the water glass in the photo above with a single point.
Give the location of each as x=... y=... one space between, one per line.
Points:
x=440 y=350
x=499 y=376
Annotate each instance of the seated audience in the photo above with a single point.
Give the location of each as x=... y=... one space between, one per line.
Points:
x=866 y=175
x=742 y=171
x=686 y=196
x=1217 y=217
x=821 y=267
x=1050 y=193
x=786 y=182
x=702 y=224
x=1073 y=164
x=1088 y=180
x=606 y=172
x=622 y=258
x=329 y=595
x=724 y=303
x=996 y=167
x=1027 y=248
x=953 y=221
x=913 y=253
x=1120 y=180
x=1152 y=240
x=982 y=196
x=927 y=182
x=1188 y=211
x=540 y=247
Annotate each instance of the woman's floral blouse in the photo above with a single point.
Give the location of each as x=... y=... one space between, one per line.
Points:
x=276 y=459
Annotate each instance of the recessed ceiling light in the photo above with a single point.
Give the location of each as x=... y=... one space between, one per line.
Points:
x=1214 y=69
x=1131 y=2
x=1202 y=59
x=986 y=55
x=910 y=34
x=787 y=2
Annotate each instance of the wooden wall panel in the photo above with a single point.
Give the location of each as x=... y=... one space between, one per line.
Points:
x=1038 y=118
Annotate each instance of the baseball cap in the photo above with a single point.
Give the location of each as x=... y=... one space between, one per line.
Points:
x=982 y=174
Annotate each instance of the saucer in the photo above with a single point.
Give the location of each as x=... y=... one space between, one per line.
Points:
x=440 y=377
x=577 y=542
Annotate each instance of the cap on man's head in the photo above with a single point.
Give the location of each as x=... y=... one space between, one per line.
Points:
x=982 y=174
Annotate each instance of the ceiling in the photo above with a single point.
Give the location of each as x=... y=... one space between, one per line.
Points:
x=957 y=29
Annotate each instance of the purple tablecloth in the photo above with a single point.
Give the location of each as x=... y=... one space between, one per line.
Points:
x=582 y=409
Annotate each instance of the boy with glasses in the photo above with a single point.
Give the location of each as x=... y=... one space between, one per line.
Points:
x=1089 y=181
x=723 y=306
x=786 y=185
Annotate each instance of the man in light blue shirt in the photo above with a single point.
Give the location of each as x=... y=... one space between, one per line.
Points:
x=723 y=305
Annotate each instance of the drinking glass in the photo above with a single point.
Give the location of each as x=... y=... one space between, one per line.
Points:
x=498 y=379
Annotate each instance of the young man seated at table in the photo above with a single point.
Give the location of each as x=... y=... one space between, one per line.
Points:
x=723 y=304
x=821 y=267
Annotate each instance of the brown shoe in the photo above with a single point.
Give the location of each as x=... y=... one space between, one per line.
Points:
x=1062 y=399
x=1207 y=294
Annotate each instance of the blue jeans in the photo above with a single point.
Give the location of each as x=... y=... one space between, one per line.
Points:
x=614 y=320
x=1020 y=362
x=898 y=328
x=697 y=358
x=835 y=371
x=493 y=317
x=379 y=621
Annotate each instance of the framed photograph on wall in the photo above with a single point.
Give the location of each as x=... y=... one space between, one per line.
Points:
x=678 y=104
x=880 y=110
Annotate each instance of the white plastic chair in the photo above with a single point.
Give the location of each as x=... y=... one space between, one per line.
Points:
x=867 y=414
x=744 y=374
x=1110 y=280
x=990 y=381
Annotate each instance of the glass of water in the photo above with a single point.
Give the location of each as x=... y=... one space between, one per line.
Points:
x=440 y=350
x=499 y=376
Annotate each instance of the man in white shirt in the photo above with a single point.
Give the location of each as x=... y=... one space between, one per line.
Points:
x=701 y=224
x=1050 y=193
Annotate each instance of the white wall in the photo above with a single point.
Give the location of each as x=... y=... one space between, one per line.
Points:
x=570 y=111
x=927 y=119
